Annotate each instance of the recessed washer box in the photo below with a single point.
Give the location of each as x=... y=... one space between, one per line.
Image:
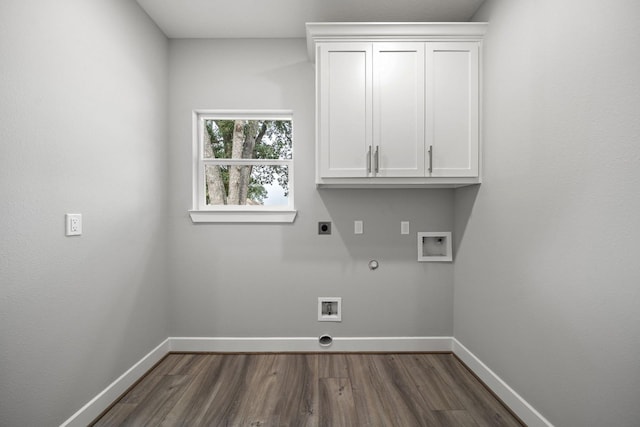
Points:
x=434 y=246
x=329 y=309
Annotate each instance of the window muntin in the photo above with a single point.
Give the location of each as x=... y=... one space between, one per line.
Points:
x=243 y=161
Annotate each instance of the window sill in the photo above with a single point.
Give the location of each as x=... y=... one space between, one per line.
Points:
x=243 y=216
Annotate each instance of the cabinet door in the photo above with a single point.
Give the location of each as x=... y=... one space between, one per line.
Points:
x=398 y=109
x=452 y=128
x=345 y=114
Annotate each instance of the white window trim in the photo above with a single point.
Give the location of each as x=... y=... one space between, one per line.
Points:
x=201 y=212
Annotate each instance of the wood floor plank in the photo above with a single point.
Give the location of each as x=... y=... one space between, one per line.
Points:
x=332 y=366
x=151 y=380
x=309 y=390
x=394 y=373
x=168 y=364
x=436 y=393
x=116 y=415
x=142 y=389
x=152 y=410
x=287 y=386
x=338 y=407
x=485 y=409
x=188 y=364
x=454 y=418
x=232 y=379
x=190 y=409
x=258 y=407
x=379 y=402
x=299 y=390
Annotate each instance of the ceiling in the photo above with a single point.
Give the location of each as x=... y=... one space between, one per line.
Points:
x=286 y=18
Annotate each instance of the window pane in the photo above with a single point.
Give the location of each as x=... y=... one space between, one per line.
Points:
x=247 y=139
x=257 y=185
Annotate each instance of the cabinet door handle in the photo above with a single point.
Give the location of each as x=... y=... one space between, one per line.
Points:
x=430 y=158
x=369 y=160
x=377 y=160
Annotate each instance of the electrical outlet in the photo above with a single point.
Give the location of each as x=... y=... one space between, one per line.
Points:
x=358 y=227
x=73 y=224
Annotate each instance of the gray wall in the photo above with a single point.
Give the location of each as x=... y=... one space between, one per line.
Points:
x=264 y=280
x=547 y=278
x=83 y=95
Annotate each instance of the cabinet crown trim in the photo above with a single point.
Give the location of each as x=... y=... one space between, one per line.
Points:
x=393 y=31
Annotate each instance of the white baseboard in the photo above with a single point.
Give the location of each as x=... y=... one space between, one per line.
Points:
x=513 y=400
x=307 y=344
x=104 y=399
x=310 y=344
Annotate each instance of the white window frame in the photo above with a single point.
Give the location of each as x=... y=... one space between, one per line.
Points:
x=201 y=212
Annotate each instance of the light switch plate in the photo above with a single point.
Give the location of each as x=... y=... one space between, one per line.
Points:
x=358 y=227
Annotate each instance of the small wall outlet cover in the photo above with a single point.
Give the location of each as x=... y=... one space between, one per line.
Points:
x=73 y=224
x=324 y=227
x=404 y=227
x=434 y=246
x=358 y=227
x=329 y=309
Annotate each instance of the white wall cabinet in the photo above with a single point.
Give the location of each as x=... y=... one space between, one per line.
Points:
x=344 y=103
x=398 y=105
x=398 y=110
x=453 y=109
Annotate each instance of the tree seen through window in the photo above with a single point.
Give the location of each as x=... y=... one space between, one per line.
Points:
x=252 y=182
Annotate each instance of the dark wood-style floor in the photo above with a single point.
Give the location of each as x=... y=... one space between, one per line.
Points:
x=309 y=390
